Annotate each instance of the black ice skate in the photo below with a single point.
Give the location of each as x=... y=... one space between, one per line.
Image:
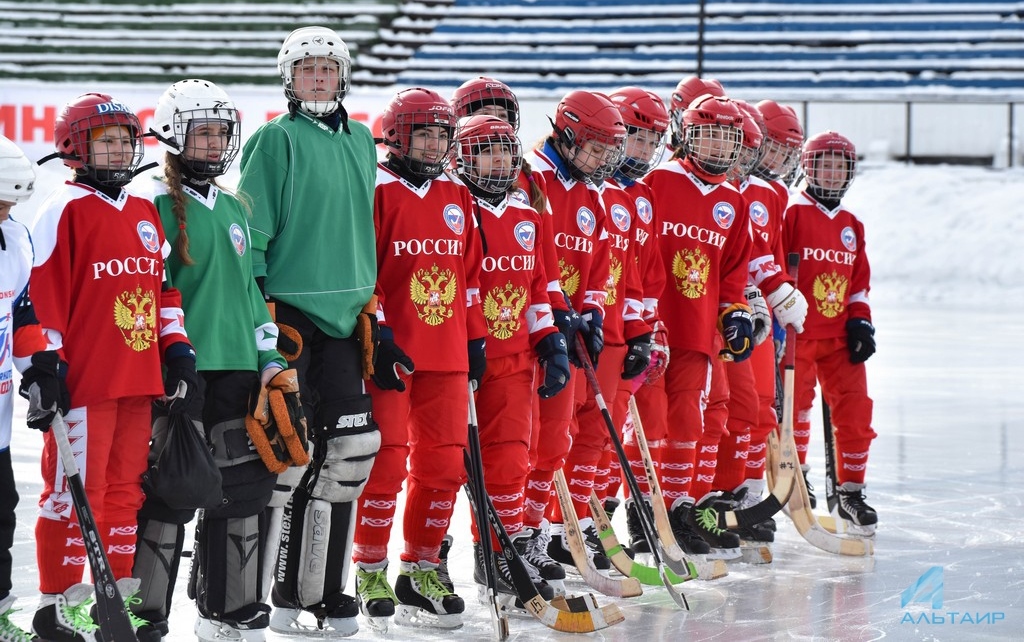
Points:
x=859 y=518
x=423 y=600
x=704 y=519
x=532 y=545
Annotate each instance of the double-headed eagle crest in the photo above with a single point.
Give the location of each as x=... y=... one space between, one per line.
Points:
x=568 y=277
x=691 y=272
x=503 y=309
x=135 y=316
x=433 y=290
x=614 y=275
x=830 y=292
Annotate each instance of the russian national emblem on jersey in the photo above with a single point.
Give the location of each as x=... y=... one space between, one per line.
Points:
x=758 y=213
x=433 y=291
x=526 y=235
x=455 y=218
x=829 y=294
x=586 y=221
x=644 y=210
x=849 y=239
x=724 y=214
x=620 y=217
x=148 y=235
x=237 y=238
x=568 y=277
x=135 y=316
x=614 y=276
x=690 y=269
x=503 y=309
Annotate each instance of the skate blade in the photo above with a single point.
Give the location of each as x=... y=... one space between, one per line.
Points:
x=558 y=586
x=755 y=553
x=378 y=624
x=724 y=554
x=414 y=616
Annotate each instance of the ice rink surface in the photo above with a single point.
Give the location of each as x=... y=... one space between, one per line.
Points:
x=945 y=475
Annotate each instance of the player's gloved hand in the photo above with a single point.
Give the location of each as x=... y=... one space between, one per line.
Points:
x=367 y=333
x=592 y=331
x=860 y=338
x=759 y=308
x=638 y=356
x=779 y=338
x=789 y=306
x=289 y=342
x=477 y=349
x=181 y=382
x=659 y=354
x=44 y=385
x=568 y=323
x=390 y=359
x=552 y=354
x=286 y=407
x=737 y=326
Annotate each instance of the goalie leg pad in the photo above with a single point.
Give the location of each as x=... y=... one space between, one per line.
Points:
x=157 y=555
x=345 y=452
x=228 y=569
x=315 y=554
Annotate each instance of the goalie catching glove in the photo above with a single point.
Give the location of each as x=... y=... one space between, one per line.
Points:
x=276 y=424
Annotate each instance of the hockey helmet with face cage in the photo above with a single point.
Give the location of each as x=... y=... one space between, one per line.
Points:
x=783 y=138
x=688 y=90
x=583 y=117
x=72 y=133
x=483 y=92
x=315 y=42
x=641 y=110
x=413 y=109
x=494 y=138
x=190 y=103
x=829 y=163
x=17 y=173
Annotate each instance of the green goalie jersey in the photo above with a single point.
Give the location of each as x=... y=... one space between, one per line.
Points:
x=313 y=240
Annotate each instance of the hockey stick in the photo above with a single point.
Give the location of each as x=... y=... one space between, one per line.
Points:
x=706 y=569
x=646 y=519
x=110 y=608
x=476 y=488
x=831 y=481
x=572 y=615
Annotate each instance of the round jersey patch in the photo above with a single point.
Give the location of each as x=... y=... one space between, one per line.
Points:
x=526 y=235
x=759 y=213
x=237 y=238
x=724 y=215
x=455 y=219
x=644 y=210
x=519 y=196
x=148 y=235
x=620 y=217
x=586 y=221
x=849 y=239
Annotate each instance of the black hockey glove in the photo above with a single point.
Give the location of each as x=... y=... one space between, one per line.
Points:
x=390 y=359
x=638 y=356
x=568 y=323
x=181 y=382
x=737 y=326
x=592 y=330
x=860 y=337
x=552 y=354
x=477 y=361
x=43 y=384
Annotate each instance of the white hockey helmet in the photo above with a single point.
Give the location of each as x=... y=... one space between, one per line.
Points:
x=188 y=103
x=17 y=175
x=318 y=42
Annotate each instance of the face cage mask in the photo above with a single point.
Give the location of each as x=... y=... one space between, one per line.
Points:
x=745 y=164
x=418 y=167
x=612 y=158
x=702 y=141
x=201 y=167
x=811 y=161
x=109 y=177
x=321 y=108
x=774 y=154
x=636 y=168
x=496 y=182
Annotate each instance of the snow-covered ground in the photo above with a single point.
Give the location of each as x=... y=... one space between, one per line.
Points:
x=944 y=474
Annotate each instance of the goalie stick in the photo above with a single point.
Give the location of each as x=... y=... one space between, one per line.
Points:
x=646 y=519
x=571 y=615
x=475 y=488
x=111 y=615
x=706 y=569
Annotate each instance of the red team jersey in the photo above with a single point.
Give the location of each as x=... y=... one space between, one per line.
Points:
x=624 y=307
x=705 y=248
x=646 y=251
x=545 y=239
x=428 y=269
x=834 y=272
x=765 y=208
x=513 y=289
x=97 y=290
x=579 y=232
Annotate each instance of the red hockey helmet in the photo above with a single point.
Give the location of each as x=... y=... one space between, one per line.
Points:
x=753 y=137
x=72 y=136
x=714 y=134
x=829 y=163
x=489 y=154
x=646 y=119
x=489 y=94
x=413 y=109
x=592 y=133
x=689 y=89
x=783 y=138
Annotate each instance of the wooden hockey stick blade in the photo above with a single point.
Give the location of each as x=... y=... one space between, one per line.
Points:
x=706 y=569
x=624 y=587
x=110 y=608
x=575 y=615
